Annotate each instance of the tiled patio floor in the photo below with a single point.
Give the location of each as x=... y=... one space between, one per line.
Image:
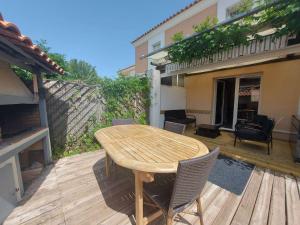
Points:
x=76 y=191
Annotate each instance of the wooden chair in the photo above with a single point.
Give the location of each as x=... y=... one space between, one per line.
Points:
x=175 y=127
x=116 y=122
x=174 y=196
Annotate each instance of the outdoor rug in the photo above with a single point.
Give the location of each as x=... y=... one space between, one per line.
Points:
x=231 y=174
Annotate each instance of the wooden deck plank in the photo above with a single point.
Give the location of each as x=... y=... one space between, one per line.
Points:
x=78 y=192
x=292 y=201
x=298 y=184
x=261 y=209
x=77 y=159
x=70 y=168
x=277 y=213
x=78 y=173
x=96 y=211
x=214 y=208
x=244 y=211
x=27 y=216
x=226 y=213
x=85 y=197
x=53 y=217
x=208 y=196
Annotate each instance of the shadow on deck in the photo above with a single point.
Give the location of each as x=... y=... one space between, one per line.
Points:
x=76 y=191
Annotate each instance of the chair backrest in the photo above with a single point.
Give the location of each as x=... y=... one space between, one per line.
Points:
x=191 y=178
x=174 y=127
x=178 y=114
x=266 y=123
x=270 y=124
x=116 y=122
x=260 y=119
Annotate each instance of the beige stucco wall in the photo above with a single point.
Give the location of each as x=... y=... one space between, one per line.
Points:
x=141 y=64
x=186 y=26
x=280 y=91
x=129 y=71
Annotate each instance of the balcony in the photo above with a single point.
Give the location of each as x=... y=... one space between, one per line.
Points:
x=269 y=48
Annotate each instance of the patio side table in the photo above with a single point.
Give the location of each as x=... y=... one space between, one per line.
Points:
x=207 y=130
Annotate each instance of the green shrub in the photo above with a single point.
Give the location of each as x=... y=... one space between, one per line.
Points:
x=120 y=96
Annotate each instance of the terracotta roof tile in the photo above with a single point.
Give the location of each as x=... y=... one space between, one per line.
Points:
x=12 y=33
x=167 y=19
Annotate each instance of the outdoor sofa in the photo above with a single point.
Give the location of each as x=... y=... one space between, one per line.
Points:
x=179 y=116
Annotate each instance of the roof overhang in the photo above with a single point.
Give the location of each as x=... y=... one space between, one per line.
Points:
x=190 y=10
x=18 y=49
x=16 y=56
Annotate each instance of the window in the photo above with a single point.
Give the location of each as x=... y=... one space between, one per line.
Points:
x=156 y=46
x=176 y=80
x=166 y=81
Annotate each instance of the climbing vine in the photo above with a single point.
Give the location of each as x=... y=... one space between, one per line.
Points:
x=283 y=16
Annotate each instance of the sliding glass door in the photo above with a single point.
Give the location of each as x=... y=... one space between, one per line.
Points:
x=236 y=99
x=249 y=95
x=225 y=102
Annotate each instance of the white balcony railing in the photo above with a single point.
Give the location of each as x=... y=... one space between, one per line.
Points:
x=268 y=43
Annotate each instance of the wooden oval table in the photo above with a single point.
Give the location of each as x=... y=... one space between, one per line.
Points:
x=146 y=150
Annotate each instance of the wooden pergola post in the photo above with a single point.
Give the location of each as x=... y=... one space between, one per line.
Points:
x=43 y=117
x=155 y=98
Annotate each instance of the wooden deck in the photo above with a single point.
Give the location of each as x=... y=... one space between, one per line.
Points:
x=280 y=159
x=76 y=191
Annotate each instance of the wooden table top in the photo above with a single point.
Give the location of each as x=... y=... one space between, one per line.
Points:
x=148 y=149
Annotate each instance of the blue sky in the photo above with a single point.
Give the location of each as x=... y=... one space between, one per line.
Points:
x=97 y=31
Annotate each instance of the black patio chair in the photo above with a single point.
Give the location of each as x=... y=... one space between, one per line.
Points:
x=174 y=196
x=260 y=129
x=178 y=128
x=116 y=122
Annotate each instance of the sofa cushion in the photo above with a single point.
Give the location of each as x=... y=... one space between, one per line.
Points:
x=182 y=121
x=251 y=134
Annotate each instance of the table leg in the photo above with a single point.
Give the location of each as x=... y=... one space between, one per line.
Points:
x=139 y=178
x=107 y=164
x=138 y=199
